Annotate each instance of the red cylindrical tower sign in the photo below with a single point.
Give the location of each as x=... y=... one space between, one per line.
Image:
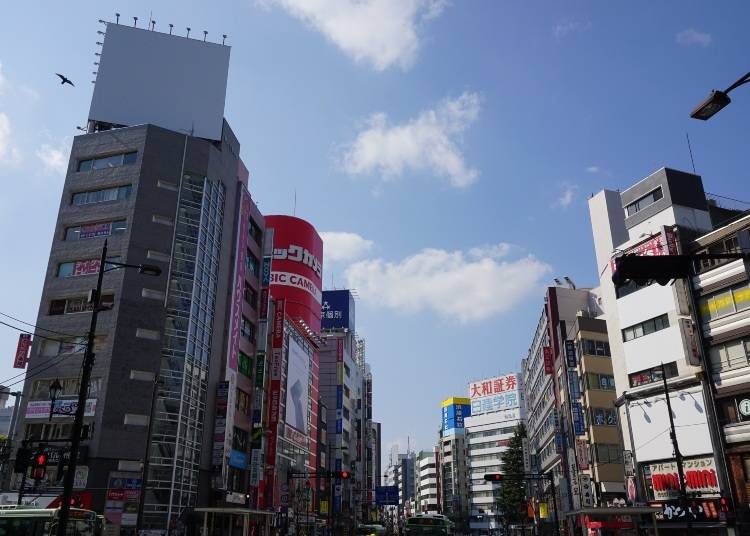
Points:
x=297 y=268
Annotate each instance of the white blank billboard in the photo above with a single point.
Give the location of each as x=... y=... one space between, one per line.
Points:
x=151 y=77
x=297 y=386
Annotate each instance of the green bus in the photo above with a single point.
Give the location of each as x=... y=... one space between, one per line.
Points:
x=43 y=522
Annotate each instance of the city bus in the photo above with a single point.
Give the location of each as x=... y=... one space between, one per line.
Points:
x=43 y=522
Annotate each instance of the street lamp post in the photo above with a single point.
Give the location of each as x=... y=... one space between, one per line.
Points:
x=55 y=390
x=716 y=100
x=86 y=367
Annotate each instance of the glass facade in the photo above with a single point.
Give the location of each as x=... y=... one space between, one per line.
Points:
x=181 y=405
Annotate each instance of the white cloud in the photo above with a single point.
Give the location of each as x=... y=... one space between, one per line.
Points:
x=570 y=25
x=593 y=169
x=343 y=246
x=54 y=159
x=567 y=196
x=493 y=251
x=428 y=142
x=693 y=37
x=452 y=284
x=381 y=33
x=9 y=153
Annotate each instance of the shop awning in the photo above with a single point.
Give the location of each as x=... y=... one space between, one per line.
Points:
x=612 y=487
x=624 y=511
x=234 y=511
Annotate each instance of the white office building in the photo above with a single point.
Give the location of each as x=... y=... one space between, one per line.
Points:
x=427 y=483
x=496 y=411
x=654 y=325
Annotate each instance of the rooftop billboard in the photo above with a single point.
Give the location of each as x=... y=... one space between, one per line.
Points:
x=165 y=80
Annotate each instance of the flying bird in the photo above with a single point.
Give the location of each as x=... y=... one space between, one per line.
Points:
x=65 y=80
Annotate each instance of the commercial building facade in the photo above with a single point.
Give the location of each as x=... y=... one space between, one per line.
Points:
x=346 y=389
x=653 y=334
x=428 y=489
x=453 y=463
x=496 y=411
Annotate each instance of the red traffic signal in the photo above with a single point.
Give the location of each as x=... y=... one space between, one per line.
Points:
x=39 y=466
x=344 y=475
x=493 y=477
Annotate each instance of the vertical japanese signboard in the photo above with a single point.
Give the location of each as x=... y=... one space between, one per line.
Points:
x=579 y=424
x=549 y=363
x=274 y=395
x=570 y=354
x=22 y=351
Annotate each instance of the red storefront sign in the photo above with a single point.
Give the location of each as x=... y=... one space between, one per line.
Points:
x=22 y=351
x=297 y=268
x=549 y=363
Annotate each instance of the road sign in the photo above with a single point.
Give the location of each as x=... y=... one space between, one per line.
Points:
x=386 y=495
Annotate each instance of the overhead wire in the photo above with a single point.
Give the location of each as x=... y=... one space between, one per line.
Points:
x=37 y=327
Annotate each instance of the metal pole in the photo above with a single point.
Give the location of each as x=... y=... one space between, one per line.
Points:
x=144 y=476
x=75 y=440
x=675 y=446
x=554 y=501
x=22 y=488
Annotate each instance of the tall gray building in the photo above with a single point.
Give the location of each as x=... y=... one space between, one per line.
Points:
x=168 y=347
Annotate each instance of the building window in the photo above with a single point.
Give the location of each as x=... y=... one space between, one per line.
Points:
x=245 y=364
x=254 y=231
x=79 y=304
x=69 y=345
x=116 y=193
x=645 y=328
x=607 y=453
x=105 y=162
x=652 y=375
x=40 y=388
x=347 y=370
x=589 y=347
x=725 y=302
x=346 y=413
x=242 y=403
x=240 y=439
x=729 y=244
x=251 y=297
x=601 y=382
x=645 y=201
x=247 y=329
x=730 y=355
x=80 y=268
x=251 y=263
x=95 y=230
x=603 y=416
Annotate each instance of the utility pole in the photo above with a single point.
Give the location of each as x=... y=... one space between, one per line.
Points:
x=88 y=364
x=675 y=445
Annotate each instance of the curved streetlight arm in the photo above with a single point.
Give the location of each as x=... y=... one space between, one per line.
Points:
x=742 y=81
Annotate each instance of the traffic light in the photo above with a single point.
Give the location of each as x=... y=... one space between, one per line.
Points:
x=39 y=466
x=644 y=268
x=493 y=477
x=343 y=475
x=23 y=458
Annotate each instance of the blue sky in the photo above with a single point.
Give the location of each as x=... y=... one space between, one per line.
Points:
x=455 y=143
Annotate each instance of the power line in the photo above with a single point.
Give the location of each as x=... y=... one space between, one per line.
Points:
x=37 y=366
x=35 y=334
x=35 y=326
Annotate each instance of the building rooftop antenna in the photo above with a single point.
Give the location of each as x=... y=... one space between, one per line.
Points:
x=170 y=28
x=223 y=38
x=135 y=22
x=205 y=33
x=188 y=32
x=117 y=18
